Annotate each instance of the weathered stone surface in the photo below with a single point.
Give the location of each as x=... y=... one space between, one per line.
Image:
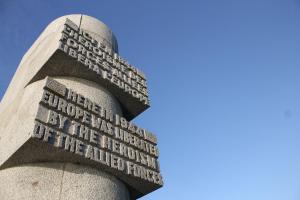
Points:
x=46 y=58
x=56 y=181
x=31 y=149
x=78 y=115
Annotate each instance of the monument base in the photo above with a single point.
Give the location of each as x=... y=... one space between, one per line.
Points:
x=57 y=181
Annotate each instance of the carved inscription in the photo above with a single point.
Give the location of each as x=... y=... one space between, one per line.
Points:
x=100 y=59
x=70 y=121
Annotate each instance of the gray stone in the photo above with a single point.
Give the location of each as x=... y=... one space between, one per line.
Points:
x=60 y=108
x=35 y=150
x=57 y=181
x=46 y=58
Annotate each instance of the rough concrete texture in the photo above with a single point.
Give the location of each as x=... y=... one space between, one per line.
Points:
x=80 y=182
x=33 y=169
x=41 y=51
x=44 y=58
x=59 y=181
x=17 y=112
x=103 y=34
x=31 y=150
x=21 y=122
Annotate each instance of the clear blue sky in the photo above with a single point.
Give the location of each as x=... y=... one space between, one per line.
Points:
x=224 y=80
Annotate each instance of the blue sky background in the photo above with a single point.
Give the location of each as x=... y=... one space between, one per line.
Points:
x=224 y=80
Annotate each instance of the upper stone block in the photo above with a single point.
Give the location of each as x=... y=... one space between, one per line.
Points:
x=82 y=46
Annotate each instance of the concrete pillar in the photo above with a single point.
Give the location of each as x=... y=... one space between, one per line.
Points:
x=59 y=181
x=62 y=180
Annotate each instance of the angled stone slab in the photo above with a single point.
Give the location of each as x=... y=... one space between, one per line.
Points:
x=64 y=126
x=66 y=49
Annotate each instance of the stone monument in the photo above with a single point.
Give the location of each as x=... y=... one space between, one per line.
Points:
x=65 y=129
